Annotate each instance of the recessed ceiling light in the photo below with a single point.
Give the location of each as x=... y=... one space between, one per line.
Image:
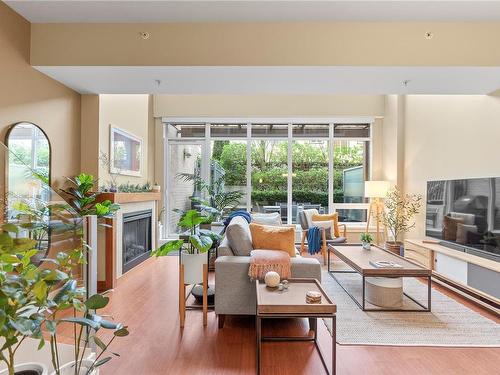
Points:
x=144 y=35
x=406 y=82
x=429 y=35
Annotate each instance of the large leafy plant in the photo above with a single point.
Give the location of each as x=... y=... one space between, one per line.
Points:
x=86 y=323
x=81 y=196
x=199 y=240
x=25 y=290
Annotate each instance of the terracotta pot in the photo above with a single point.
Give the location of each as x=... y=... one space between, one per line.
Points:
x=394 y=247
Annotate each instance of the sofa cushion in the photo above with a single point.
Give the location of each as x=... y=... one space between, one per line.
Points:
x=268 y=237
x=239 y=237
x=273 y=218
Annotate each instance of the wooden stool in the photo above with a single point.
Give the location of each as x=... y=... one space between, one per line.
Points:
x=186 y=279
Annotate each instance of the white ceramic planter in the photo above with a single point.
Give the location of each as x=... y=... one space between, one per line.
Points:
x=39 y=367
x=366 y=245
x=193 y=267
x=69 y=369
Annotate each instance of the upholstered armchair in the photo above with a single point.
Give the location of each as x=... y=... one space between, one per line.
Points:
x=306 y=222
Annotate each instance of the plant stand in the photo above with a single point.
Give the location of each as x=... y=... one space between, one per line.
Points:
x=183 y=297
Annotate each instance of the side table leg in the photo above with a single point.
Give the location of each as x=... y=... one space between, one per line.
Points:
x=363 y=301
x=258 y=343
x=429 y=293
x=334 y=345
x=313 y=324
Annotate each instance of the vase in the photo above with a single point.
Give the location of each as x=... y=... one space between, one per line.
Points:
x=193 y=267
x=394 y=247
x=29 y=368
x=156 y=188
x=366 y=245
x=69 y=368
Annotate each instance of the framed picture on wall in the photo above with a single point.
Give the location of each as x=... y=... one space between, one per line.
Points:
x=125 y=152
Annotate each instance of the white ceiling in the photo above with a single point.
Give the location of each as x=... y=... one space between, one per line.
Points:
x=65 y=11
x=276 y=80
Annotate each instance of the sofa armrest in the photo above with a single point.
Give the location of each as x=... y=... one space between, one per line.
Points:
x=224 y=249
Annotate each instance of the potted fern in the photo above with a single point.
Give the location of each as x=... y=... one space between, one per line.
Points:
x=400 y=210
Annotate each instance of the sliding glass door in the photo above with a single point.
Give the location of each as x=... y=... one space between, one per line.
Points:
x=268 y=166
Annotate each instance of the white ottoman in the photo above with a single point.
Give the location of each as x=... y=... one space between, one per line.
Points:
x=384 y=292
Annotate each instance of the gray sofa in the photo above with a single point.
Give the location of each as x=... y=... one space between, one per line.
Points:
x=235 y=293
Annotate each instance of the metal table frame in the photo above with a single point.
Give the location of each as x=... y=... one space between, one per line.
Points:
x=313 y=325
x=362 y=304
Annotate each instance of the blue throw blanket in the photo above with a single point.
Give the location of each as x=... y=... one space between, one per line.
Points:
x=241 y=213
x=314 y=240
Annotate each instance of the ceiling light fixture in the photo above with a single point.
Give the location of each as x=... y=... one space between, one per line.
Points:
x=144 y=35
x=429 y=35
x=405 y=82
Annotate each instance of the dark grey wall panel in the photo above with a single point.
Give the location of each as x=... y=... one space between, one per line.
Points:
x=483 y=279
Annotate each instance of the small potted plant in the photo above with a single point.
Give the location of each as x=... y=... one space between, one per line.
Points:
x=366 y=240
x=400 y=209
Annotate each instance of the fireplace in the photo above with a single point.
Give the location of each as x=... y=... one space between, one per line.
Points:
x=136 y=238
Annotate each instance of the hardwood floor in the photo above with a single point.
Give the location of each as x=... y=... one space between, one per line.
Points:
x=146 y=300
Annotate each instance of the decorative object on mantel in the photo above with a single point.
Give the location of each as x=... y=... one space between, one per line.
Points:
x=400 y=209
x=193 y=258
x=272 y=279
x=125 y=153
x=156 y=188
x=366 y=240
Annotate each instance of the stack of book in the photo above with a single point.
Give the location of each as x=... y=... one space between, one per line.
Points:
x=313 y=297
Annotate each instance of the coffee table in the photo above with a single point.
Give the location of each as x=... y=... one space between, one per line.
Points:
x=358 y=259
x=291 y=303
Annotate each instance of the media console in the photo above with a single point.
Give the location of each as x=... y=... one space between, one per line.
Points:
x=470 y=275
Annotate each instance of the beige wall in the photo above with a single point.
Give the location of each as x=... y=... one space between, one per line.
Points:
x=28 y=95
x=268 y=105
x=449 y=137
x=274 y=43
x=132 y=114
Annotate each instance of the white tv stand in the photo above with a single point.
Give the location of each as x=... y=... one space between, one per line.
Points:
x=472 y=276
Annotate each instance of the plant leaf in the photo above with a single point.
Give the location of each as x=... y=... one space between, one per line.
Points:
x=167 y=248
x=201 y=243
x=97 y=301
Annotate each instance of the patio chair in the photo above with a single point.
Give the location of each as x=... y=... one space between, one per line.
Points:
x=305 y=220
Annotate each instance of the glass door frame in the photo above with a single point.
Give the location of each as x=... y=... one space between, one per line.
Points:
x=205 y=143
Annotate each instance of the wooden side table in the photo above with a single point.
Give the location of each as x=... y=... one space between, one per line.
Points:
x=291 y=303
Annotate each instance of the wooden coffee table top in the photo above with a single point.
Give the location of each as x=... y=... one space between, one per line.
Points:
x=292 y=301
x=359 y=259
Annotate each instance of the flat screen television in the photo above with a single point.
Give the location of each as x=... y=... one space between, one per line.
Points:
x=465 y=215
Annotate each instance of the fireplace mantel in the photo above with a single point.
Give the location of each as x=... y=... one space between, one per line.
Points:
x=130 y=197
x=129 y=201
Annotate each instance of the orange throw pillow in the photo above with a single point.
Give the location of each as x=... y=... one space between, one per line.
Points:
x=333 y=217
x=269 y=237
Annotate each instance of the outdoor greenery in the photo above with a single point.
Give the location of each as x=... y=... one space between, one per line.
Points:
x=269 y=169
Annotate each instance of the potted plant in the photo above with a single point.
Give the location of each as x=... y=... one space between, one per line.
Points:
x=82 y=199
x=193 y=251
x=86 y=324
x=24 y=302
x=400 y=209
x=366 y=240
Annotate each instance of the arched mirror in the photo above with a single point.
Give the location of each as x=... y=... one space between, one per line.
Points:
x=28 y=182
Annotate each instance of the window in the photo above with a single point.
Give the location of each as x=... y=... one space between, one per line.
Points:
x=268 y=166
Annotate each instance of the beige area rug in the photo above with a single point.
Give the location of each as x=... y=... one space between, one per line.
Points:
x=449 y=324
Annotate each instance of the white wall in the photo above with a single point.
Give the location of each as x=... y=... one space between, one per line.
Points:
x=449 y=137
